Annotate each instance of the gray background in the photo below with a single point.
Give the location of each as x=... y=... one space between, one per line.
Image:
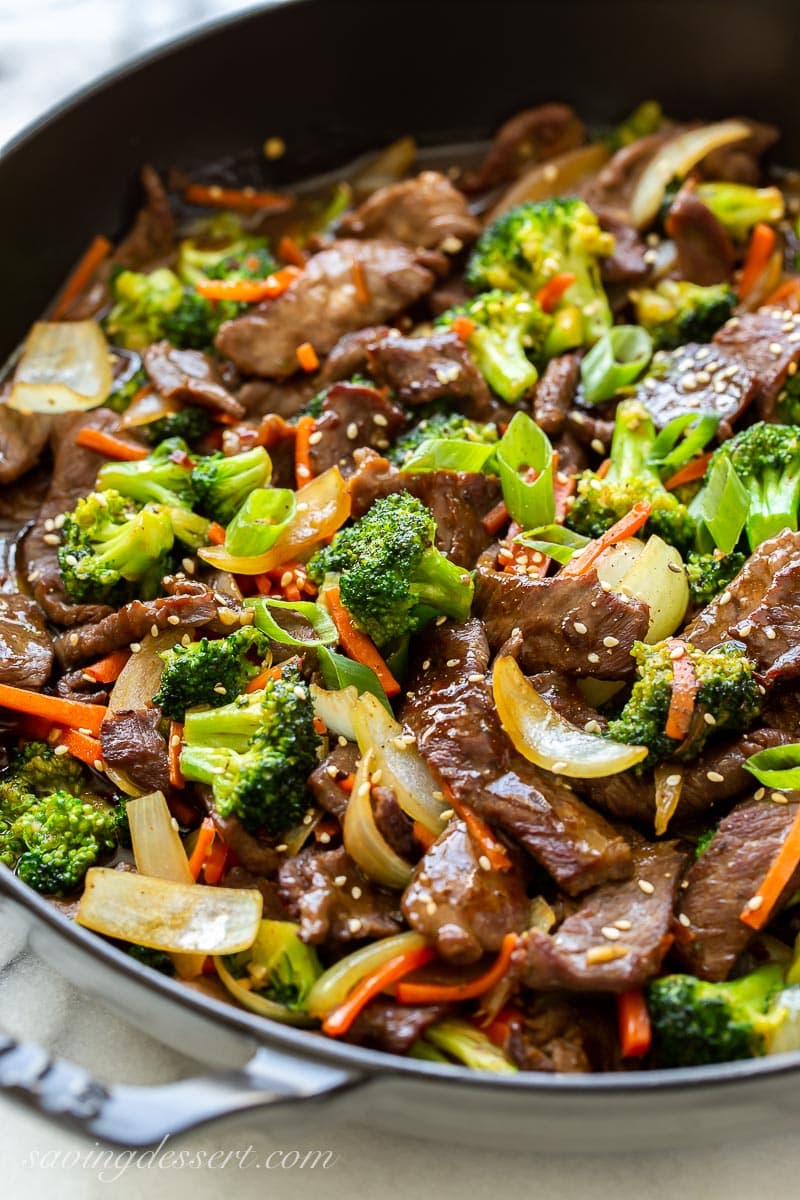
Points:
x=48 y=48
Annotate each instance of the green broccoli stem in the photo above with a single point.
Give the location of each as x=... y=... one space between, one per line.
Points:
x=439 y=584
x=230 y=727
x=773 y=505
x=631 y=445
x=205 y=764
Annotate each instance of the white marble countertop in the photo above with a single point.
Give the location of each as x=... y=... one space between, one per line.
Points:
x=47 y=48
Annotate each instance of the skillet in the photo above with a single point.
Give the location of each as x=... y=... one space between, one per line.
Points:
x=333 y=80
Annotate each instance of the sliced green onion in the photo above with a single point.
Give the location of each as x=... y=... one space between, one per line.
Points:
x=523 y=448
x=449 y=454
x=260 y=521
x=679 y=441
x=778 y=767
x=723 y=505
x=340 y=672
x=555 y=541
x=315 y=614
x=615 y=361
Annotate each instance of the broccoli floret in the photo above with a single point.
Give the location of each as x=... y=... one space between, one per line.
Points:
x=222 y=484
x=710 y=574
x=164 y=477
x=631 y=477
x=392 y=579
x=194 y=322
x=64 y=836
x=37 y=769
x=695 y=1022
x=122 y=393
x=227 y=252
x=209 y=672
x=676 y=312
x=766 y=458
x=727 y=691
x=508 y=340
x=738 y=206
x=278 y=966
x=457 y=1040
x=157 y=960
x=450 y=425
x=188 y=423
x=256 y=754
x=141 y=304
x=705 y=840
x=111 y=552
x=526 y=246
x=646 y=118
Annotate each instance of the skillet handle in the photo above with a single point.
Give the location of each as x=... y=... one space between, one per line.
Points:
x=144 y=1116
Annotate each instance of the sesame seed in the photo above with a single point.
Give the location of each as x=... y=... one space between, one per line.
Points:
x=684 y=920
x=98 y=765
x=153 y=630
x=676 y=653
x=597 y=446
x=709 y=718
x=185 y=641
x=282 y=848
x=355 y=892
x=714 y=777
x=769 y=633
x=476 y=678
x=188 y=565
x=380 y=419
x=440 y=621
x=438 y=795
x=354 y=924
x=779 y=798
x=220 y=689
x=604 y=954
x=307 y=819
x=579 y=627
x=754 y=903
x=673 y=780
x=227 y=617
x=558 y=766
x=447 y=814
x=315 y=438
x=610 y=642
x=332 y=771
x=325 y=838
x=452 y=662
x=60 y=750
x=775 y=348
x=592 y=726
x=703 y=377
x=426 y=666
x=340 y=880
x=300 y=692
x=136 y=647
x=609 y=932
x=484 y=863
x=760 y=794
x=593 y=658
x=342 y=740
x=430 y=908
x=745 y=629
x=52 y=539
x=352 y=431
x=452 y=244
x=623 y=925
x=645 y=886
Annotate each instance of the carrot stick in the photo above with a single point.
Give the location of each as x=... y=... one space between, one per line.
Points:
x=307 y=356
x=762 y=243
x=290 y=252
x=603 y=469
x=549 y=295
x=423 y=835
x=360 y=283
x=757 y=911
x=496 y=518
x=111 y=446
x=635 y=1033
x=249 y=291
x=260 y=681
x=61 y=712
x=216 y=861
x=357 y=645
x=693 y=470
x=205 y=838
x=684 y=691
x=479 y=832
x=341 y=1018
x=245 y=199
x=108 y=669
x=82 y=275
x=174 y=754
x=500 y=1029
x=444 y=993
x=86 y=749
x=626 y=527
x=302 y=451
x=348 y=783
x=464 y=327
x=786 y=293
x=216 y=534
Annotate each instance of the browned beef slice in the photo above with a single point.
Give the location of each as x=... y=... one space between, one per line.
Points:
x=26 y=651
x=423 y=369
x=627 y=263
x=153 y=234
x=460 y=908
x=572 y=624
x=767 y=342
x=584 y=955
x=240 y=877
x=352 y=415
x=77 y=685
x=190 y=377
x=771 y=632
x=458 y=501
x=615 y=183
x=22 y=439
x=572 y=458
x=322 y=305
x=383 y=1025
x=555 y=392
x=256 y=853
x=746 y=592
x=724 y=878
x=705 y=252
x=738 y=162
x=134 y=621
x=74 y=474
x=697 y=379
x=132 y=743
x=394 y=826
x=526 y=138
x=424 y=211
x=349 y=355
x=450 y=293
x=327 y=909
x=283 y=397
x=590 y=430
x=566 y=1034
x=451 y=712
x=324 y=780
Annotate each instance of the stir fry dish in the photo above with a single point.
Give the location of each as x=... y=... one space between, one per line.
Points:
x=400 y=621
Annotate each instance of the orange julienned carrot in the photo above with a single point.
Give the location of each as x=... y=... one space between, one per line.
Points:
x=290 y=252
x=759 y=908
x=551 y=292
x=464 y=327
x=786 y=294
x=693 y=470
x=496 y=518
x=248 y=291
x=360 y=283
x=82 y=275
x=635 y=1032
x=259 y=681
x=479 y=832
x=216 y=534
x=307 y=357
x=357 y=645
x=302 y=451
x=762 y=243
x=426 y=837
x=174 y=747
x=83 y=747
x=61 y=712
x=245 y=199
x=443 y=993
x=109 y=445
x=215 y=862
x=205 y=838
x=500 y=1027
x=684 y=691
x=341 y=1018
x=626 y=527
x=108 y=669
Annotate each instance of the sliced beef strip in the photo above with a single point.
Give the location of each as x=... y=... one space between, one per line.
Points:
x=555 y=393
x=353 y=415
x=283 y=398
x=771 y=632
x=627 y=264
x=394 y=826
x=449 y=294
x=240 y=877
x=26 y=651
x=457 y=906
x=458 y=501
x=426 y=211
x=738 y=162
x=322 y=305
x=349 y=356
x=324 y=780
x=421 y=370
x=23 y=437
x=698 y=379
x=583 y=954
x=746 y=592
x=74 y=474
x=767 y=343
x=384 y=1025
x=134 y=621
x=449 y=709
x=564 y=1034
x=572 y=624
x=705 y=252
x=327 y=909
x=615 y=183
x=77 y=685
x=530 y=136
x=572 y=457
x=153 y=234
x=724 y=878
x=132 y=743
x=189 y=377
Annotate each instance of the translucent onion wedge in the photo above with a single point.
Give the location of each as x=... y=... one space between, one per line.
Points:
x=668 y=785
x=177 y=917
x=363 y=840
x=545 y=738
x=402 y=767
x=65 y=366
x=675 y=159
x=336 y=984
x=336 y=709
x=388 y=166
x=322 y=506
x=613 y=565
x=147 y=408
x=557 y=176
x=158 y=851
x=658 y=578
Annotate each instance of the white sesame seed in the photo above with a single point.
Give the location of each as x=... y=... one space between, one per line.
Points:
x=452 y=662
x=579 y=627
x=714 y=777
x=380 y=419
x=676 y=653
x=684 y=920
x=352 y=431
x=769 y=633
x=60 y=750
x=709 y=718
x=779 y=798
x=623 y=925
x=332 y=771
x=315 y=438
x=603 y=954
x=598 y=446
x=188 y=565
x=355 y=892
x=307 y=819
x=98 y=765
x=136 y=647
x=754 y=903
x=282 y=848
x=725 y=598
x=775 y=348
x=52 y=539
x=592 y=726
x=745 y=629
x=673 y=780
x=186 y=640
x=426 y=666
x=354 y=924
x=220 y=689
x=340 y=880
x=610 y=642
x=476 y=678
x=760 y=794
x=609 y=932
x=430 y=908
x=645 y=886
x=593 y=658
x=325 y=838
x=484 y=863
x=440 y=620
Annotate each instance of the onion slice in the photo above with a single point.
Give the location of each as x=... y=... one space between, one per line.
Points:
x=65 y=366
x=336 y=709
x=668 y=788
x=387 y=166
x=658 y=578
x=335 y=985
x=177 y=917
x=675 y=159
x=363 y=841
x=557 y=176
x=545 y=738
